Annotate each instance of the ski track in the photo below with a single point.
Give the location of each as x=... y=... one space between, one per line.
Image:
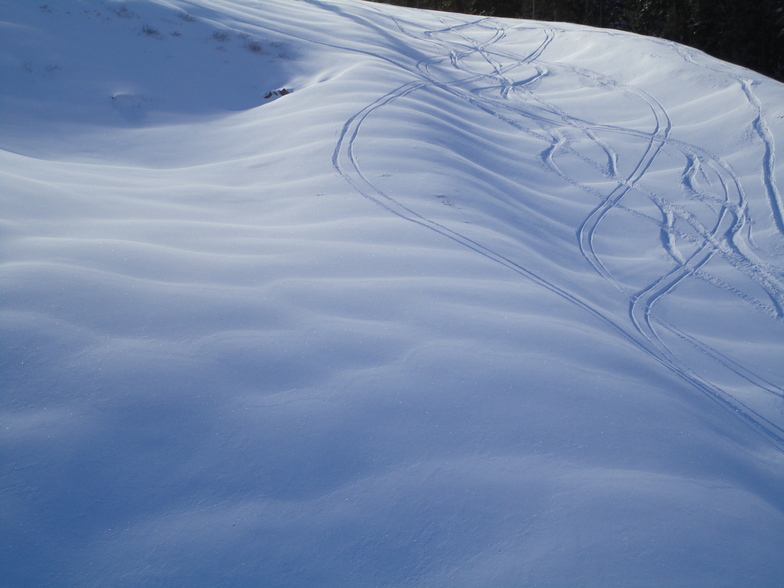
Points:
x=769 y=164
x=723 y=236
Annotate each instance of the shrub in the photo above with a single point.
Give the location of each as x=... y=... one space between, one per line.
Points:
x=150 y=32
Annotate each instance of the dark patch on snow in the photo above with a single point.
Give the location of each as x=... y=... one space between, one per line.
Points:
x=277 y=93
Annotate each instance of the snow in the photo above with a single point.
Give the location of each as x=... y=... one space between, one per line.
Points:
x=478 y=302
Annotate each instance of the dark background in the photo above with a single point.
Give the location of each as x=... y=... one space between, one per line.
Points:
x=746 y=32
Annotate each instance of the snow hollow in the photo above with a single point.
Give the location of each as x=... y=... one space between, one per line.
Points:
x=332 y=293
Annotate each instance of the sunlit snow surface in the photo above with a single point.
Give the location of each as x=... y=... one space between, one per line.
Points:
x=480 y=302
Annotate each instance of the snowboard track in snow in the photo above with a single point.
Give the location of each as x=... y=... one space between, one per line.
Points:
x=728 y=235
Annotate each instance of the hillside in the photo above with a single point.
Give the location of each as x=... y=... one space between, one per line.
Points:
x=304 y=293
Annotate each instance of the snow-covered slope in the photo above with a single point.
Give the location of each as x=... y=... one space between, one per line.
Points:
x=341 y=294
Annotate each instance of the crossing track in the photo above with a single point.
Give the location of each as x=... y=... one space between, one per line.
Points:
x=471 y=65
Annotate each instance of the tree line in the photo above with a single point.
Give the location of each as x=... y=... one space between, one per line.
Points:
x=746 y=32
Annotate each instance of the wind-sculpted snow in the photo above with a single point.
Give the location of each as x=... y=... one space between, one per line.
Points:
x=344 y=294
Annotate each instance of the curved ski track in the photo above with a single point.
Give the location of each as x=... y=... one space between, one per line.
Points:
x=721 y=236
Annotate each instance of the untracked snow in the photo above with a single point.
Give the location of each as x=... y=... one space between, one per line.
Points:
x=303 y=293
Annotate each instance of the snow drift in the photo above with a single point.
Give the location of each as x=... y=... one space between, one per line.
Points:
x=337 y=293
